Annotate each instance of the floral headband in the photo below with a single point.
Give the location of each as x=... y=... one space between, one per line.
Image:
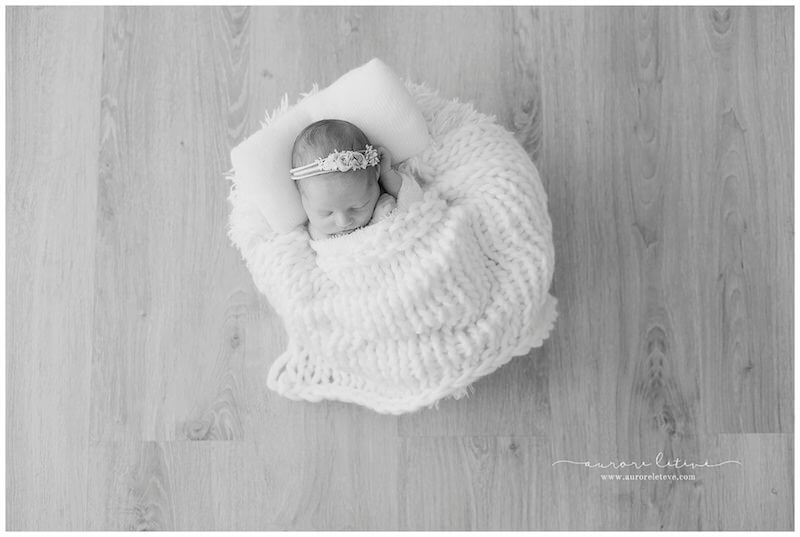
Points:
x=338 y=161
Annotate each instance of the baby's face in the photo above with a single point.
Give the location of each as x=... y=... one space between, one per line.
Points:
x=341 y=201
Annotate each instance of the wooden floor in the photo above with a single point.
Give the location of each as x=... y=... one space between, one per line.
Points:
x=138 y=346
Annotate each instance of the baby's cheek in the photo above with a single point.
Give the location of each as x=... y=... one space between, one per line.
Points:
x=317 y=222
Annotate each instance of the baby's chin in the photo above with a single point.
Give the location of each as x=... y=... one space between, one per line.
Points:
x=348 y=230
x=335 y=231
x=345 y=232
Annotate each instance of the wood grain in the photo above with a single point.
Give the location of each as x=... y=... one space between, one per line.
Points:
x=138 y=346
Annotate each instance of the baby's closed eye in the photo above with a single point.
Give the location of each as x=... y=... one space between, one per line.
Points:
x=363 y=206
x=358 y=208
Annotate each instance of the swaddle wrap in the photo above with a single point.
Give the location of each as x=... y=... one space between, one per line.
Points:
x=414 y=308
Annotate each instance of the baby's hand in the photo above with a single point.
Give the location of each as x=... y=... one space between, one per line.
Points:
x=386 y=204
x=386 y=159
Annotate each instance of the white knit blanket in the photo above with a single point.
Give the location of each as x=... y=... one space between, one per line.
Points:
x=405 y=312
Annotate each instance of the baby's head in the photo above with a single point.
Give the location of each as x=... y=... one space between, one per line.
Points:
x=335 y=202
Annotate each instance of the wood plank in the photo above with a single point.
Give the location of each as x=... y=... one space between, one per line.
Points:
x=744 y=199
x=52 y=126
x=608 y=388
x=170 y=290
x=476 y=483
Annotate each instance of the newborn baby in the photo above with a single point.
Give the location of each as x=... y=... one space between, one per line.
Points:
x=344 y=192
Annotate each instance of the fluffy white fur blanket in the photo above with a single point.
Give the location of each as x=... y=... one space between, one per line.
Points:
x=405 y=312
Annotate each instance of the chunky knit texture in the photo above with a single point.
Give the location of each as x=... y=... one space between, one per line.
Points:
x=415 y=308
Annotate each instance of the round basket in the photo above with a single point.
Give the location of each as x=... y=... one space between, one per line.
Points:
x=400 y=314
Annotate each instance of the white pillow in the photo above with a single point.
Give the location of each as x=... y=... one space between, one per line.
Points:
x=372 y=97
